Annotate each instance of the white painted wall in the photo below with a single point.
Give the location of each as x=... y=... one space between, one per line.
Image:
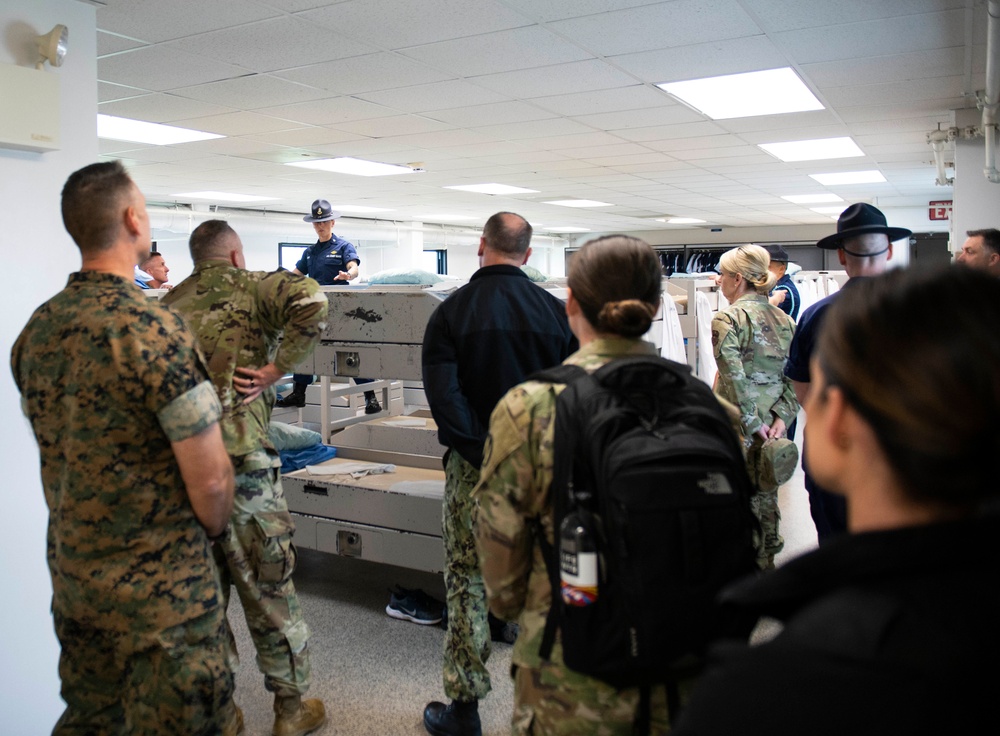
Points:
x=38 y=256
x=977 y=200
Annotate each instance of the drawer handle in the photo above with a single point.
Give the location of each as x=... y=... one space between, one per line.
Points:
x=316 y=490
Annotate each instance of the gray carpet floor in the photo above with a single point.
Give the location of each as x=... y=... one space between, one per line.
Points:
x=375 y=673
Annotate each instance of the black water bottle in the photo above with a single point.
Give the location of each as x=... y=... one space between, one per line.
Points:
x=578 y=559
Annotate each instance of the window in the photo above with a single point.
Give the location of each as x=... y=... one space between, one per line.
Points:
x=435 y=261
x=290 y=253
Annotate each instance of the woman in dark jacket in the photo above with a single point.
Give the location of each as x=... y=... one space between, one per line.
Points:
x=894 y=628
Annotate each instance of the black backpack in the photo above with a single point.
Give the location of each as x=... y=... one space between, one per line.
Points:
x=645 y=454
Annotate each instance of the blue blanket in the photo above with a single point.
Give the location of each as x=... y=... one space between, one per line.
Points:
x=298 y=459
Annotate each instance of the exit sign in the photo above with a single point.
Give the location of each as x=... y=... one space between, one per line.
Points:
x=940 y=210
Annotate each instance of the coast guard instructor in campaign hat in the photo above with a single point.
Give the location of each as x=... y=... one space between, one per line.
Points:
x=332 y=261
x=864 y=246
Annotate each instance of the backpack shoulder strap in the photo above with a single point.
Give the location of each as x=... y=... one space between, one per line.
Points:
x=565 y=430
x=561 y=373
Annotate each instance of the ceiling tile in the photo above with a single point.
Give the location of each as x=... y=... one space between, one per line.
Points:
x=535 y=129
x=365 y=74
x=875 y=38
x=106 y=92
x=395 y=24
x=577 y=76
x=497 y=113
x=236 y=123
x=253 y=92
x=668 y=113
x=155 y=20
x=161 y=68
x=328 y=112
x=663 y=132
x=635 y=97
x=678 y=23
x=161 y=108
x=438 y=96
x=111 y=43
x=933 y=88
x=733 y=56
x=278 y=43
x=548 y=10
x=787 y=15
x=306 y=137
x=902 y=67
x=503 y=51
x=393 y=126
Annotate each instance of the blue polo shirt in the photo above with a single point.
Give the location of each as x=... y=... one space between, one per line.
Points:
x=324 y=261
x=790 y=304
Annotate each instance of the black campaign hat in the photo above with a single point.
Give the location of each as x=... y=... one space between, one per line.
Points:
x=321 y=211
x=777 y=253
x=860 y=219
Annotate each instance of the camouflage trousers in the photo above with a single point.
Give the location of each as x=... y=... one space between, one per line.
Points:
x=555 y=701
x=257 y=557
x=467 y=643
x=764 y=504
x=182 y=685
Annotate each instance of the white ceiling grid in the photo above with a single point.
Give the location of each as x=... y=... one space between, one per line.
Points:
x=552 y=95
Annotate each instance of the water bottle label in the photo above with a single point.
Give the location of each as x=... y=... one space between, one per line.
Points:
x=579 y=583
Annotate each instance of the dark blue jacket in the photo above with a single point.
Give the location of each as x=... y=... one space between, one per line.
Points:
x=482 y=341
x=324 y=261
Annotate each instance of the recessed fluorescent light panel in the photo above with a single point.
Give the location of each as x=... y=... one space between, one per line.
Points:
x=813 y=150
x=223 y=196
x=812 y=198
x=493 y=189
x=578 y=203
x=567 y=229
x=680 y=220
x=355 y=166
x=770 y=92
x=139 y=131
x=849 y=177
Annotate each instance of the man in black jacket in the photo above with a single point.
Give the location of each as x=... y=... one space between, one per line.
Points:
x=482 y=341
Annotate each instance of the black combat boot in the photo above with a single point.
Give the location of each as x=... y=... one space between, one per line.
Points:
x=371 y=403
x=457 y=719
x=296 y=398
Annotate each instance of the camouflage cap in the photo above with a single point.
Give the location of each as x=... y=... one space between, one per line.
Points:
x=778 y=459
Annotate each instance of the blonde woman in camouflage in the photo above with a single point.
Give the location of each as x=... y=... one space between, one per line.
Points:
x=750 y=339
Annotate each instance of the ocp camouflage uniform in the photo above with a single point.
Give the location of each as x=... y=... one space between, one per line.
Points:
x=109 y=379
x=238 y=317
x=751 y=340
x=513 y=492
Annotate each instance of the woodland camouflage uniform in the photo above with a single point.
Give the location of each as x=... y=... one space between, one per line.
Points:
x=109 y=379
x=751 y=338
x=512 y=493
x=238 y=317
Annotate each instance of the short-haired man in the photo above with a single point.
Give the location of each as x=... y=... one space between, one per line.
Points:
x=864 y=246
x=238 y=317
x=784 y=295
x=156 y=267
x=332 y=261
x=981 y=250
x=480 y=342
x=136 y=479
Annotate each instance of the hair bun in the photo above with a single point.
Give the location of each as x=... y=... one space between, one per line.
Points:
x=626 y=317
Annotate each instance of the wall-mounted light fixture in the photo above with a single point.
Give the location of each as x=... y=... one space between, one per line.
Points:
x=52 y=46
